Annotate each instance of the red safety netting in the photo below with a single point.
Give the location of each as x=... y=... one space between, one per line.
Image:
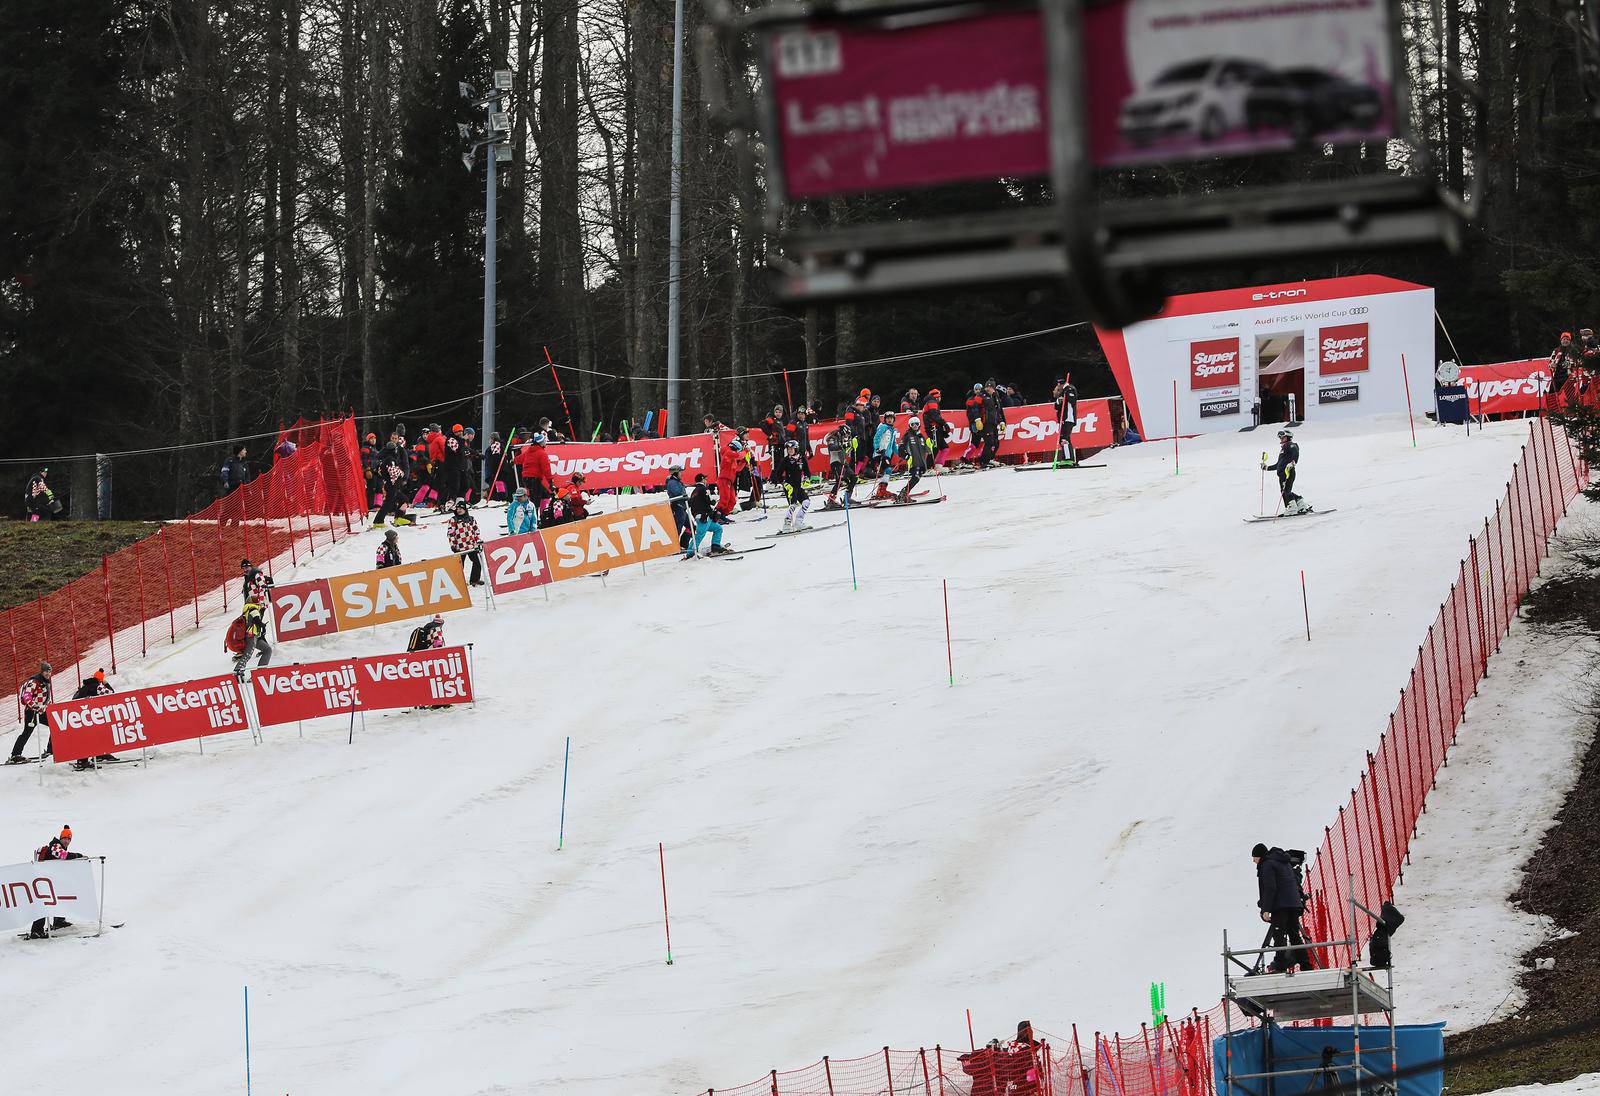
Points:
x=1365 y=847
x=164 y=585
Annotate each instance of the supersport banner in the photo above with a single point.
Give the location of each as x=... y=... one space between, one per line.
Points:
x=317 y=607
x=289 y=694
x=49 y=888
x=1506 y=387
x=632 y=463
x=579 y=548
x=145 y=717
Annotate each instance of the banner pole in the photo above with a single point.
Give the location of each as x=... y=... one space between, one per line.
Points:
x=101 y=929
x=661 y=851
x=1405 y=380
x=472 y=669
x=561 y=837
x=352 y=740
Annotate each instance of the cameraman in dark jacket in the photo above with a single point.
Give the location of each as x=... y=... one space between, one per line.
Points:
x=1281 y=903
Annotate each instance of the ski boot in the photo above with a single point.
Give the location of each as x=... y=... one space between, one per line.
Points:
x=719 y=550
x=881 y=493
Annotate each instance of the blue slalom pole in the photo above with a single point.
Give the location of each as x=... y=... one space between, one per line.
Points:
x=561 y=839
x=850 y=539
x=247 y=1040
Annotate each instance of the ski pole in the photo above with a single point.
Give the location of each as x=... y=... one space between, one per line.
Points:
x=505 y=451
x=666 y=919
x=561 y=838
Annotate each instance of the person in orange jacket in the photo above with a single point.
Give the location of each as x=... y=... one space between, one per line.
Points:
x=574 y=503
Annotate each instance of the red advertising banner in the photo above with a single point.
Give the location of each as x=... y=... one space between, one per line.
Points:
x=1343 y=349
x=516 y=563
x=1214 y=363
x=289 y=694
x=301 y=610
x=1506 y=387
x=632 y=463
x=873 y=109
x=145 y=717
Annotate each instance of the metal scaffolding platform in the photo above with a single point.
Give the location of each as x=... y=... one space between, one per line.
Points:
x=1344 y=993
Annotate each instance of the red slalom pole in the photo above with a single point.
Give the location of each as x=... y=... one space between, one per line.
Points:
x=1304 y=604
x=787 y=394
x=666 y=920
x=571 y=431
x=1405 y=380
x=970 y=1039
x=949 y=655
x=1175 y=428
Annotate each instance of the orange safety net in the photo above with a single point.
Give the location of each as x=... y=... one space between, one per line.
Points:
x=158 y=588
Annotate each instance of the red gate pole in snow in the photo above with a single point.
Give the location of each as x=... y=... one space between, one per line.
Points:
x=661 y=851
x=1174 y=428
x=111 y=633
x=950 y=663
x=571 y=432
x=1405 y=380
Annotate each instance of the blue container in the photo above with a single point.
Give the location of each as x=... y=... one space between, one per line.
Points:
x=1414 y=1043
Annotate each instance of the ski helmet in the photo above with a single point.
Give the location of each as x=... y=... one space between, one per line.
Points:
x=914 y=421
x=1284 y=435
x=977 y=386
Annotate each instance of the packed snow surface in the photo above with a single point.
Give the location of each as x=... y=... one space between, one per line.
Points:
x=856 y=852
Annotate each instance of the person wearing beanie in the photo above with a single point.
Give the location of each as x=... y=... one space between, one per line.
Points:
x=34 y=696
x=1066 y=401
x=58 y=848
x=466 y=540
x=521 y=517
x=389 y=550
x=936 y=429
x=1281 y=902
x=255 y=584
x=93 y=686
x=707 y=522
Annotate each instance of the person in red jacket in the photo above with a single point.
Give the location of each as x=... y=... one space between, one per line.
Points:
x=729 y=459
x=439 y=475
x=533 y=465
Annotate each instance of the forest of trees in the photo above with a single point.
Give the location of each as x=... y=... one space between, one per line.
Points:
x=221 y=214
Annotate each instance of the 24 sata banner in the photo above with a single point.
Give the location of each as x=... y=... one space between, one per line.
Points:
x=288 y=694
x=145 y=717
x=581 y=547
x=304 y=609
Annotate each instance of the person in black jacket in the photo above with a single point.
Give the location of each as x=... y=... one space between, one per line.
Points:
x=59 y=848
x=1288 y=457
x=1281 y=903
x=994 y=419
x=1066 y=400
x=707 y=521
x=394 y=470
x=235 y=471
x=93 y=686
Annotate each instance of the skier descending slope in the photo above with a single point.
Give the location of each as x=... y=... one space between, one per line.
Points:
x=1066 y=397
x=1288 y=457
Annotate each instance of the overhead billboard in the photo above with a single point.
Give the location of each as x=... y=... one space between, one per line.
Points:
x=859 y=107
x=1334 y=346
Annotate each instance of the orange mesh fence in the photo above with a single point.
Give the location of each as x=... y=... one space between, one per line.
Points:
x=1364 y=849
x=156 y=589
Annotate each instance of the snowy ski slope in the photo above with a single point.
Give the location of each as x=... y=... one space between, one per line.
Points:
x=856 y=852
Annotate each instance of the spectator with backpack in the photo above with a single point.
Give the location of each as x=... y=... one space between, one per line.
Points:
x=1281 y=902
x=247 y=636
x=466 y=540
x=34 y=696
x=427 y=637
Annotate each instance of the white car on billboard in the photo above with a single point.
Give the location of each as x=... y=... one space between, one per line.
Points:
x=1195 y=100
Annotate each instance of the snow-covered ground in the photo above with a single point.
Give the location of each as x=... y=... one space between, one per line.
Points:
x=856 y=852
x=1586 y=1085
x=1517 y=755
